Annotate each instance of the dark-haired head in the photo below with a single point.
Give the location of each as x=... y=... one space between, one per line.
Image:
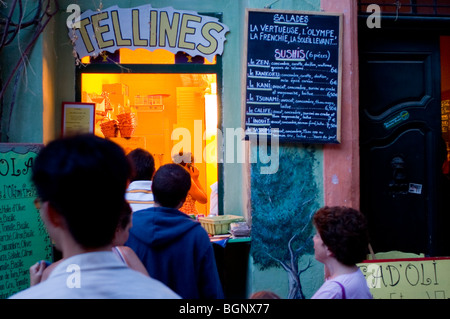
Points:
x=344 y=231
x=142 y=163
x=84 y=178
x=171 y=185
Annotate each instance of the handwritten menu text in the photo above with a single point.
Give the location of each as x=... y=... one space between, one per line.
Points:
x=292 y=76
x=23 y=238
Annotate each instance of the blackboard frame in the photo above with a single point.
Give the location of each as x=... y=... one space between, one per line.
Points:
x=244 y=91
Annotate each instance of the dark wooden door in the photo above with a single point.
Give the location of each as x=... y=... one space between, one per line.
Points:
x=400 y=138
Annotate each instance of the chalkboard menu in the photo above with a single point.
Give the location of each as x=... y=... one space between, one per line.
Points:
x=292 y=75
x=23 y=238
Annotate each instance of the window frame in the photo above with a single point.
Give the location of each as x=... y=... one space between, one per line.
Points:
x=186 y=68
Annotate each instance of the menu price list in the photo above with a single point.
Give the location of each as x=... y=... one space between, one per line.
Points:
x=292 y=80
x=23 y=237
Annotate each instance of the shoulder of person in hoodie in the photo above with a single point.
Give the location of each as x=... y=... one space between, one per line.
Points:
x=160 y=225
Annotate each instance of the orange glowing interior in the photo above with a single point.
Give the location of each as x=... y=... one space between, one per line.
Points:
x=167 y=111
x=143 y=56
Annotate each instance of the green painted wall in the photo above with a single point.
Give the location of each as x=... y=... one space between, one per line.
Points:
x=22 y=103
x=282 y=205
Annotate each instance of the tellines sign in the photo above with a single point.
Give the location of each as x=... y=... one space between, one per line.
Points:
x=147 y=28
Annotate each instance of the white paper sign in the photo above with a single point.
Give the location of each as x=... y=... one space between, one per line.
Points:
x=415 y=188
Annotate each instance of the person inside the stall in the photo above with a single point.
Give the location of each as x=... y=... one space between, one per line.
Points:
x=196 y=192
x=139 y=193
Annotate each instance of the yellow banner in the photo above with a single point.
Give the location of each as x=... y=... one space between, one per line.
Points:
x=148 y=28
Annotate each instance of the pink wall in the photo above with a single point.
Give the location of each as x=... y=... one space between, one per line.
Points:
x=445 y=67
x=341 y=162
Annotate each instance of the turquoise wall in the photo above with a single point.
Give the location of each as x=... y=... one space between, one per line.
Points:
x=29 y=113
x=22 y=101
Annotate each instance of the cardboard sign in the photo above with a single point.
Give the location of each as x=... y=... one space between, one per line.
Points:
x=416 y=278
x=293 y=75
x=23 y=238
x=147 y=28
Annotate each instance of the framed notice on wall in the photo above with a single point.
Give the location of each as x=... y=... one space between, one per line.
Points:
x=77 y=118
x=292 y=75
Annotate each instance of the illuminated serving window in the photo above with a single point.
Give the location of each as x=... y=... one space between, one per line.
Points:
x=162 y=113
x=158 y=90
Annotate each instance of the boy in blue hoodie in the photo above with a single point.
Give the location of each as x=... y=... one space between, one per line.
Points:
x=174 y=248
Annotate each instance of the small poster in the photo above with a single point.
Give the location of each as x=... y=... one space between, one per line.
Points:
x=78 y=118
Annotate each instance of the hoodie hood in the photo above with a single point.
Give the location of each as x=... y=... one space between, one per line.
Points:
x=160 y=226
